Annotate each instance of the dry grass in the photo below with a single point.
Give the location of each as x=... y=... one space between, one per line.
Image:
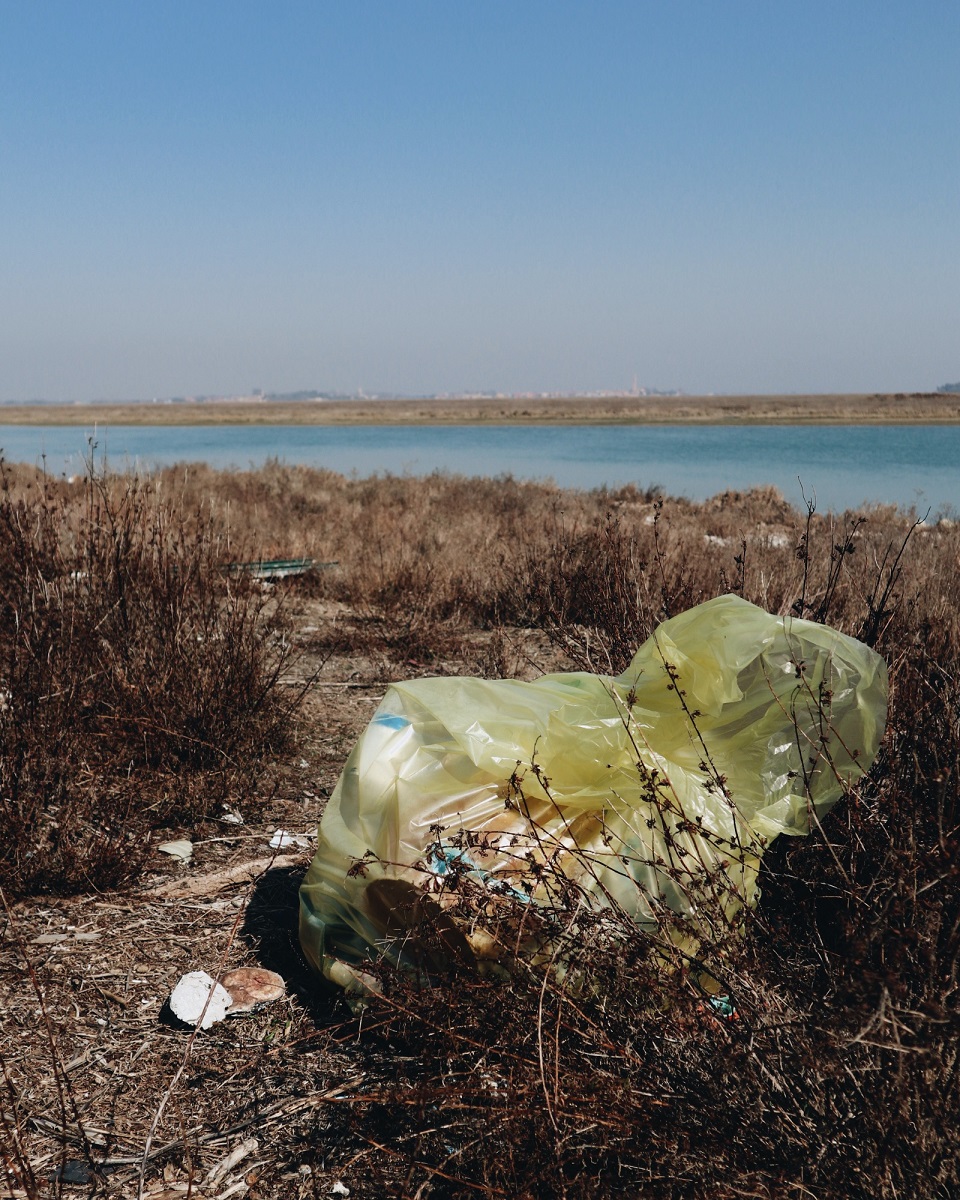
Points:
x=840 y=1076
x=141 y=681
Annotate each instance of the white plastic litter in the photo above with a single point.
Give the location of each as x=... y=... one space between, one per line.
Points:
x=283 y=840
x=189 y=997
x=182 y=849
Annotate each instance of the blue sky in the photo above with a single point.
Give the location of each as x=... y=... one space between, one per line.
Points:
x=418 y=196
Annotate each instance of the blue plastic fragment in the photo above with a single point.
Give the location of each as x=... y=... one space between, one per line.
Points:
x=390 y=720
x=443 y=858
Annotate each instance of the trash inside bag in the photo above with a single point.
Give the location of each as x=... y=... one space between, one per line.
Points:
x=654 y=791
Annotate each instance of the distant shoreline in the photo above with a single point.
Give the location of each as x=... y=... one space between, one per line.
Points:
x=918 y=408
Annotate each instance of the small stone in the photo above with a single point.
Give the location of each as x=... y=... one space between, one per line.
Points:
x=189 y=997
x=252 y=987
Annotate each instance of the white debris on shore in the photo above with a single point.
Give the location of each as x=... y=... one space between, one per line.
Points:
x=195 y=992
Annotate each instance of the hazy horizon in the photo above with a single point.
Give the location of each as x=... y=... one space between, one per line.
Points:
x=419 y=199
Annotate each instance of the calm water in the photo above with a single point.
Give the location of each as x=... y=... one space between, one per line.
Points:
x=843 y=466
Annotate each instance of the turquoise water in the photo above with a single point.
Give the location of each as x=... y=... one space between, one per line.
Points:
x=843 y=466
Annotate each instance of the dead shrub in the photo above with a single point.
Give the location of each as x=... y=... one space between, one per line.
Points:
x=139 y=680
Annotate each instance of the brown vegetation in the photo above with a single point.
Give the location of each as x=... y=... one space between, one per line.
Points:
x=907 y=408
x=140 y=680
x=839 y=1077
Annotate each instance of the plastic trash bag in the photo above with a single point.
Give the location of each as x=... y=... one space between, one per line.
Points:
x=655 y=790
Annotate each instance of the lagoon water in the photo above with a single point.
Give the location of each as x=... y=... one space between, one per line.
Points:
x=841 y=466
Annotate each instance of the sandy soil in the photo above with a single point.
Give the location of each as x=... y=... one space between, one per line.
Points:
x=914 y=408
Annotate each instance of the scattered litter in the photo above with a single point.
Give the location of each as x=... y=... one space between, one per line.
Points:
x=182 y=849
x=713 y=989
x=189 y=998
x=447 y=860
x=283 y=840
x=279 y=568
x=652 y=791
x=252 y=987
x=79 y=1171
x=50 y=939
x=231 y=817
x=340 y=1189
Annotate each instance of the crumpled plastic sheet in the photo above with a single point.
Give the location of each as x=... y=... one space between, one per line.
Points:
x=729 y=728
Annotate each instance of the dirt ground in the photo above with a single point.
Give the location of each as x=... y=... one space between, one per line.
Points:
x=98 y=1072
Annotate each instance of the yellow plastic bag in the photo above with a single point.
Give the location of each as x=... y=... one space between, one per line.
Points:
x=651 y=790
